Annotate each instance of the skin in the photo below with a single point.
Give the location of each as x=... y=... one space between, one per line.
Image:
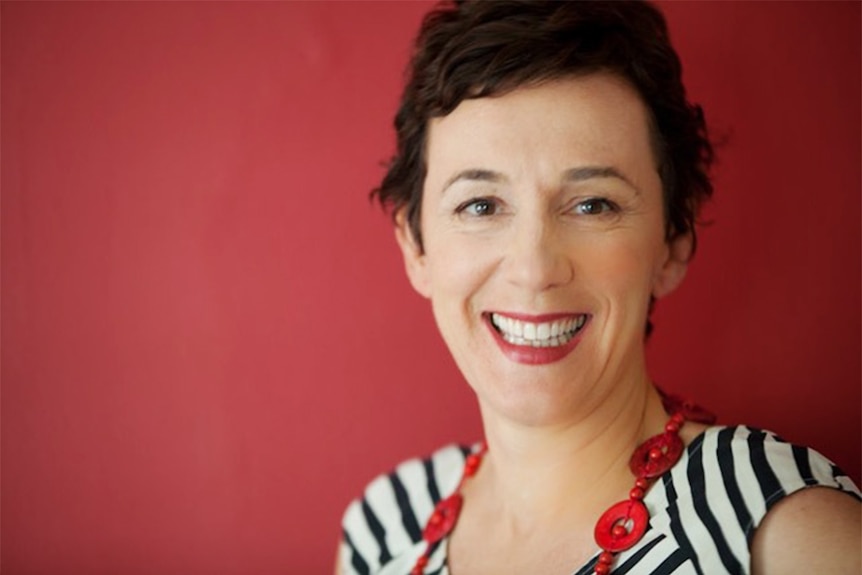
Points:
x=812 y=531
x=536 y=241
x=547 y=200
x=538 y=252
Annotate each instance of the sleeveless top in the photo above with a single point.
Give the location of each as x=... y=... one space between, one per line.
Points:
x=703 y=512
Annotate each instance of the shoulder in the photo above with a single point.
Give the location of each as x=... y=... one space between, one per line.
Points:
x=811 y=518
x=713 y=502
x=386 y=521
x=811 y=530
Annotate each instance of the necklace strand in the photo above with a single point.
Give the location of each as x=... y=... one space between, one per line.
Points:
x=624 y=523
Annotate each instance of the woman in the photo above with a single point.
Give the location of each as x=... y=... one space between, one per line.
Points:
x=548 y=177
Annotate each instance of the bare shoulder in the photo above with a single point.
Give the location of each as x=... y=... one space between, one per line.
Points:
x=814 y=530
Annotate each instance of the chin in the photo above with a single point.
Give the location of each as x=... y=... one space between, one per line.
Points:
x=533 y=403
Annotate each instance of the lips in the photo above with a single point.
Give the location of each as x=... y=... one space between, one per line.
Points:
x=536 y=340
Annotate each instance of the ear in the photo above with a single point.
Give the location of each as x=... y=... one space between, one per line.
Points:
x=672 y=271
x=414 y=257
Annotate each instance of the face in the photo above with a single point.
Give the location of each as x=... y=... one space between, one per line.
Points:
x=544 y=238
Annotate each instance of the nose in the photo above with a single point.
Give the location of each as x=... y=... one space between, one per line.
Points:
x=536 y=257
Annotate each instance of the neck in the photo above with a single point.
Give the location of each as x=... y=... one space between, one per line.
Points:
x=542 y=473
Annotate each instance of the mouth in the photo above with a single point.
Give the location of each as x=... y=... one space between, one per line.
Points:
x=556 y=332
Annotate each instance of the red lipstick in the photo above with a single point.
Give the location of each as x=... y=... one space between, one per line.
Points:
x=528 y=354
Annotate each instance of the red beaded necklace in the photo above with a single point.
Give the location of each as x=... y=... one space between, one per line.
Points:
x=624 y=523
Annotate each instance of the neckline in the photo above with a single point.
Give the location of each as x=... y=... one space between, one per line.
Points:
x=588 y=567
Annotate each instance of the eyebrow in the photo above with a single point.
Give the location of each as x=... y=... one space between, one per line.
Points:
x=475 y=175
x=593 y=172
x=572 y=175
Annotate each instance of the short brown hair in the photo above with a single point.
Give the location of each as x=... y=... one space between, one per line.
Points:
x=480 y=48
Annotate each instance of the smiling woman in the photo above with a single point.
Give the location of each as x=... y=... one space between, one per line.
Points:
x=534 y=253
x=209 y=345
x=549 y=173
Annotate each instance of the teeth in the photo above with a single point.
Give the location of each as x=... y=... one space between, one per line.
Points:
x=543 y=331
x=547 y=334
x=517 y=328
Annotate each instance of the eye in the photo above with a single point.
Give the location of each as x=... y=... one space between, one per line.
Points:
x=478 y=207
x=595 y=206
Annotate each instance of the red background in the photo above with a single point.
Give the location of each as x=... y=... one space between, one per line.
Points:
x=208 y=342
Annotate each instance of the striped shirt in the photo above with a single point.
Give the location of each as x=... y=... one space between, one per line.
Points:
x=703 y=512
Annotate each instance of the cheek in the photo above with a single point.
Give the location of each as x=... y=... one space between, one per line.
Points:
x=622 y=270
x=458 y=270
x=458 y=276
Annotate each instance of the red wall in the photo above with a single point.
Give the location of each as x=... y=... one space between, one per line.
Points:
x=208 y=343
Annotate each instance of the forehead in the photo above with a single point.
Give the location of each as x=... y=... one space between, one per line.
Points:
x=597 y=119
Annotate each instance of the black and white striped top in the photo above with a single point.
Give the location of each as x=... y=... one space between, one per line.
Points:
x=703 y=512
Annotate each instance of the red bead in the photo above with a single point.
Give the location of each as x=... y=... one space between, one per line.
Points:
x=602 y=569
x=642 y=483
x=611 y=533
x=656 y=455
x=422 y=561
x=606 y=557
x=636 y=493
x=472 y=465
x=671 y=427
x=442 y=521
